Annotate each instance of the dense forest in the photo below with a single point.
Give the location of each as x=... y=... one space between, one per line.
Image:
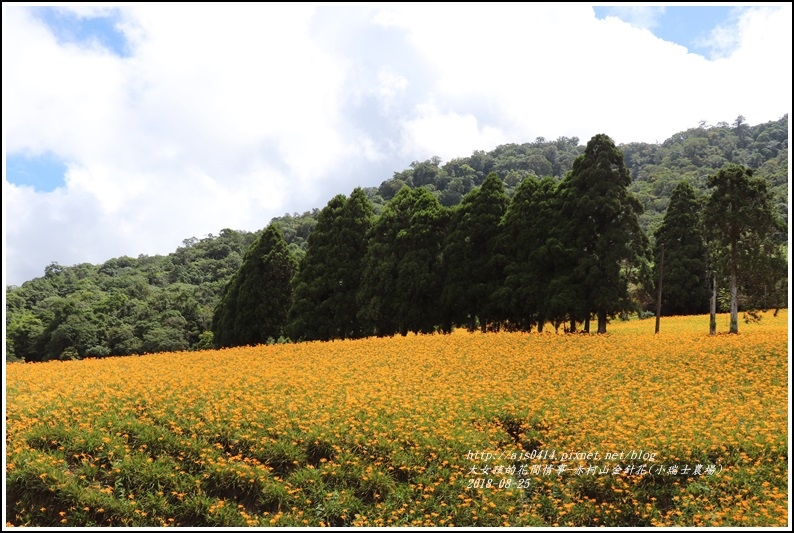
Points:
x=483 y=241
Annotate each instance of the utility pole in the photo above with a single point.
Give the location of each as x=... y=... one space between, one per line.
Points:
x=659 y=296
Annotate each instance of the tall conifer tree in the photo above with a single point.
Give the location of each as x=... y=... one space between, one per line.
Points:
x=536 y=261
x=254 y=306
x=743 y=230
x=685 y=276
x=602 y=229
x=472 y=272
x=325 y=288
x=402 y=277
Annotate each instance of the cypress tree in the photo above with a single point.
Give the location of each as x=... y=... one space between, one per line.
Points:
x=472 y=269
x=311 y=315
x=685 y=282
x=535 y=259
x=402 y=277
x=602 y=230
x=254 y=305
x=744 y=232
x=328 y=280
x=351 y=248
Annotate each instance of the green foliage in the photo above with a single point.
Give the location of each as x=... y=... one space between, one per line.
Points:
x=685 y=287
x=535 y=289
x=255 y=303
x=164 y=339
x=325 y=288
x=401 y=280
x=472 y=269
x=206 y=341
x=123 y=303
x=658 y=168
x=295 y=229
x=602 y=230
x=22 y=331
x=745 y=237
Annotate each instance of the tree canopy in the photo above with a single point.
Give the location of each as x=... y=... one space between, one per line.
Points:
x=685 y=283
x=744 y=232
x=155 y=303
x=328 y=280
x=602 y=230
x=536 y=287
x=471 y=269
x=254 y=305
x=401 y=283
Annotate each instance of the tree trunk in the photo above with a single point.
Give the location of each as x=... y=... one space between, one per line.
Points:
x=573 y=326
x=659 y=296
x=734 y=303
x=713 y=317
x=587 y=323
x=602 y=321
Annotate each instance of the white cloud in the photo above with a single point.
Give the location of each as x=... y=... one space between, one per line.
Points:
x=559 y=71
x=721 y=41
x=749 y=34
x=447 y=135
x=65 y=99
x=228 y=116
x=755 y=79
x=646 y=17
x=177 y=140
x=87 y=11
x=390 y=87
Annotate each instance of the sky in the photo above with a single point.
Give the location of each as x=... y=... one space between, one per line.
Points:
x=129 y=129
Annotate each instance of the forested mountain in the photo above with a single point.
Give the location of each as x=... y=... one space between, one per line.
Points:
x=656 y=169
x=125 y=305
x=128 y=306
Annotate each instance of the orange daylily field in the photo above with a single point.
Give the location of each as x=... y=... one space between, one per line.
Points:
x=468 y=429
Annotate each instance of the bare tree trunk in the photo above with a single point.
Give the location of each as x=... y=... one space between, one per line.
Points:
x=602 y=321
x=659 y=296
x=587 y=323
x=713 y=317
x=734 y=302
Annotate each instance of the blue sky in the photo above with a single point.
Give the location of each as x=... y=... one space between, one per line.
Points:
x=43 y=172
x=97 y=28
x=689 y=26
x=128 y=129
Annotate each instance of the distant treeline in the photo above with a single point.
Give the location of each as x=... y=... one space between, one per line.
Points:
x=478 y=242
x=558 y=252
x=656 y=169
